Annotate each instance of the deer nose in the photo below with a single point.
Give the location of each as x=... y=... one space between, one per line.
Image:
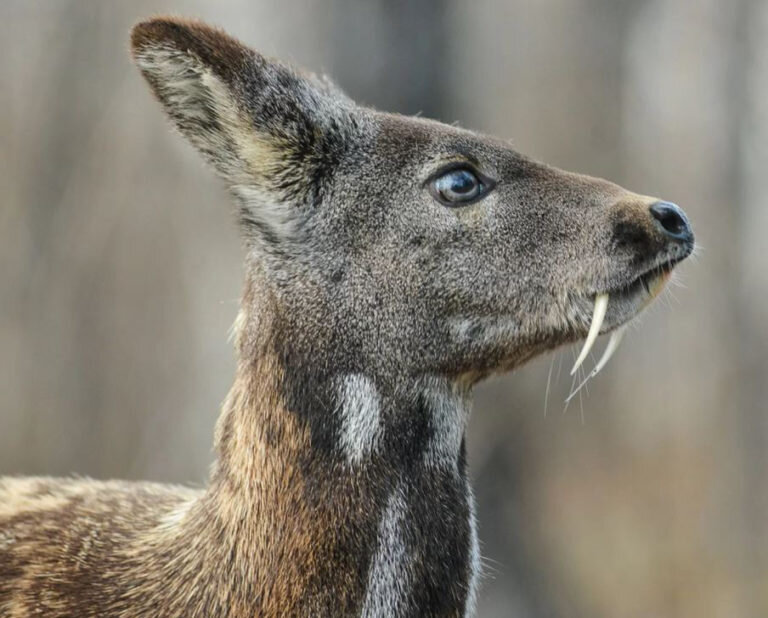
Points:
x=672 y=221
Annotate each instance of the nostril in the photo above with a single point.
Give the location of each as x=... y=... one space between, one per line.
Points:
x=672 y=219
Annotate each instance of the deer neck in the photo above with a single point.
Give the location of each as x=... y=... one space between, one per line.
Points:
x=351 y=487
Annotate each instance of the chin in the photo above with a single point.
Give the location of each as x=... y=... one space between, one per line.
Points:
x=626 y=303
x=615 y=306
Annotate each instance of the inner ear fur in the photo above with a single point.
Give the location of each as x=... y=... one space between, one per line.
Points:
x=272 y=132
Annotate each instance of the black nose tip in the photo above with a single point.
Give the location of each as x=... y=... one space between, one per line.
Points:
x=672 y=221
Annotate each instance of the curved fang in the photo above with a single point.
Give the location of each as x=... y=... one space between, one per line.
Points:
x=613 y=345
x=601 y=305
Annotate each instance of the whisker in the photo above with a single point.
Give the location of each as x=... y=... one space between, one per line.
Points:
x=568 y=399
x=575 y=391
x=559 y=366
x=669 y=294
x=549 y=379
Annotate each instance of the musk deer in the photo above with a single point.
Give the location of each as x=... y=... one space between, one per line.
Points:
x=391 y=264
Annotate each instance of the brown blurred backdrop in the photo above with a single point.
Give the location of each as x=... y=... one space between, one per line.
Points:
x=120 y=273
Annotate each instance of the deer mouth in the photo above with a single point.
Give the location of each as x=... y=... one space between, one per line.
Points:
x=615 y=306
x=641 y=290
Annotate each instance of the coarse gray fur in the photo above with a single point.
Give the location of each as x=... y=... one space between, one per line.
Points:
x=370 y=310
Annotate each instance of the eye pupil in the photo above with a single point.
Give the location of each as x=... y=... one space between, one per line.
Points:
x=458 y=186
x=462 y=182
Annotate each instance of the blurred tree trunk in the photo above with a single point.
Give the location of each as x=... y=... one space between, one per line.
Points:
x=750 y=402
x=391 y=54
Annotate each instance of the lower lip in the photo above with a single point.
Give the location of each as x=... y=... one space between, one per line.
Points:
x=656 y=285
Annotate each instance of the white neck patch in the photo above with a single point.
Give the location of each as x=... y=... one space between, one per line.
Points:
x=361 y=424
x=475 y=563
x=360 y=412
x=389 y=579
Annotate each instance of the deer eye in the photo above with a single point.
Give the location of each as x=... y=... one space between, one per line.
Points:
x=459 y=186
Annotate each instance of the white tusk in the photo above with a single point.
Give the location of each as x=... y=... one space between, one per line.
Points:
x=601 y=305
x=613 y=345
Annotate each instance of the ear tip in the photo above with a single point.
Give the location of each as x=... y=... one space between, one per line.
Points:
x=163 y=29
x=212 y=45
x=149 y=33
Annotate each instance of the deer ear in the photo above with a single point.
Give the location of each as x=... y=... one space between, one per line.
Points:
x=270 y=132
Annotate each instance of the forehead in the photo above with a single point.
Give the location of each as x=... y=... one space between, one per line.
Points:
x=408 y=141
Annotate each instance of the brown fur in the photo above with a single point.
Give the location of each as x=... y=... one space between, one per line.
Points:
x=89 y=548
x=370 y=310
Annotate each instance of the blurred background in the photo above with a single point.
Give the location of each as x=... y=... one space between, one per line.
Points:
x=120 y=273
